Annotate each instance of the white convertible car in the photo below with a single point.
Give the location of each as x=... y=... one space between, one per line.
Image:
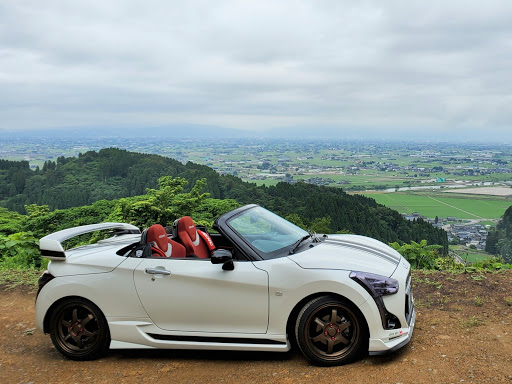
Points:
x=259 y=284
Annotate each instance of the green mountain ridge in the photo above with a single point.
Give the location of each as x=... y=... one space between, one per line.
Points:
x=113 y=174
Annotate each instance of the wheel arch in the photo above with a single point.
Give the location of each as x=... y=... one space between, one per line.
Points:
x=49 y=311
x=292 y=318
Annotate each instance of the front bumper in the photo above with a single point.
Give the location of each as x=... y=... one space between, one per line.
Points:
x=398 y=338
x=402 y=305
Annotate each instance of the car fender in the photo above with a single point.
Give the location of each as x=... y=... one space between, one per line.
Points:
x=289 y=285
x=102 y=289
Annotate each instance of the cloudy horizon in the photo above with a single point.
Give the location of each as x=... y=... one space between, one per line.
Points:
x=368 y=68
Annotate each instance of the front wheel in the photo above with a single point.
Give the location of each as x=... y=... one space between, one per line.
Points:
x=79 y=330
x=331 y=331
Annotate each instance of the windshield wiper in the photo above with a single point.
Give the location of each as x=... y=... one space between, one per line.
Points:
x=300 y=241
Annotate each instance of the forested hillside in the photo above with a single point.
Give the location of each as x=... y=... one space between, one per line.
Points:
x=499 y=241
x=112 y=174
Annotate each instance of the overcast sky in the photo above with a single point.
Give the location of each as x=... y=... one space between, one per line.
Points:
x=398 y=68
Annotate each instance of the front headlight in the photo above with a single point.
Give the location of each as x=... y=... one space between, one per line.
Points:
x=378 y=286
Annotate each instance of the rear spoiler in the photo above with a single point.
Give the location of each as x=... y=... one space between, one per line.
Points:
x=51 y=245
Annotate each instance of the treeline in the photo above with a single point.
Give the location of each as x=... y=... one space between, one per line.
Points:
x=499 y=240
x=92 y=176
x=112 y=174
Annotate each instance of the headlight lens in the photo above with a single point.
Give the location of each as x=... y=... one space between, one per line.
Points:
x=376 y=285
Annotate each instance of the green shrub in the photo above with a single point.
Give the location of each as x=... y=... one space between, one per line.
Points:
x=420 y=255
x=19 y=251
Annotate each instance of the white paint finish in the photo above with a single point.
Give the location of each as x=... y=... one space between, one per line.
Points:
x=113 y=293
x=200 y=299
x=351 y=253
x=200 y=296
x=53 y=242
x=296 y=283
x=87 y=261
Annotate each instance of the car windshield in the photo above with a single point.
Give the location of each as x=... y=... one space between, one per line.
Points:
x=268 y=233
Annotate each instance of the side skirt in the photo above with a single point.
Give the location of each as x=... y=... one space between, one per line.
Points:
x=225 y=340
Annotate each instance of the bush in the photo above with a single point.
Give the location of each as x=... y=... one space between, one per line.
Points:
x=420 y=255
x=19 y=251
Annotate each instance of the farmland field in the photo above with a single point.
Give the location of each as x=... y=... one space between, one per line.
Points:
x=435 y=204
x=468 y=254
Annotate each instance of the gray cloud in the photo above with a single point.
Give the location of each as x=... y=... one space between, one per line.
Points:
x=394 y=67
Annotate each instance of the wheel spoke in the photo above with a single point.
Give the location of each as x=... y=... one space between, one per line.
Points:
x=75 y=315
x=87 y=319
x=66 y=324
x=320 y=337
x=334 y=315
x=68 y=336
x=344 y=326
x=330 y=345
x=87 y=333
x=342 y=339
x=78 y=340
x=319 y=322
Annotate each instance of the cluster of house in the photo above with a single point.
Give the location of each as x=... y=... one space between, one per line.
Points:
x=468 y=234
x=464 y=233
x=312 y=180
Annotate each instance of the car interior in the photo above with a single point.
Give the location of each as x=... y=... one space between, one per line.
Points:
x=183 y=239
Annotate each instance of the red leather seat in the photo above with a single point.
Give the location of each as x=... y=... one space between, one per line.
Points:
x=161 y=245
x=196 y=242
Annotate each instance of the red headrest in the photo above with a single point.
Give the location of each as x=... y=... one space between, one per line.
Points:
x=156 y=233
x=186 y=224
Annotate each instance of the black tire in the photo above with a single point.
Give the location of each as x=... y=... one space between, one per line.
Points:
x=331 y=331
x=79 y=330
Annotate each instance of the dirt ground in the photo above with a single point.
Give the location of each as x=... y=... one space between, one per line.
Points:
x=463 y=335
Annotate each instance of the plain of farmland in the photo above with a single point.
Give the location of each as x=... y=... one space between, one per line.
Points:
x=435 y=204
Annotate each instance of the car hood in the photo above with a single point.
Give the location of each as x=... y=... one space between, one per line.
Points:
x=350 y=252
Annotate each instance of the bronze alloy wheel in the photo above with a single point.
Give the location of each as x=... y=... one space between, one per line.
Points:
x=330 y=331
x=79 y=330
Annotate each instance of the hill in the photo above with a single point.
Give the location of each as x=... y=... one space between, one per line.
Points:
x=112 y=174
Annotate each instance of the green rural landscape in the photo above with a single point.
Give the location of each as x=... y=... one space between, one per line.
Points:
x=432 y=204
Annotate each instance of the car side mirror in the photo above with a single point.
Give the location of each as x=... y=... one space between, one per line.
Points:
x=224 y=257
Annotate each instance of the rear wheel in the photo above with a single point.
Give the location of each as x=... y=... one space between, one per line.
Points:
x=331 y=331
x=79 y=330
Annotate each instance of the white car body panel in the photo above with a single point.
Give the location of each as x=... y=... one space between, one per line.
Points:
x=350 y=253
x=53 y=242
x=198 y=295
x=194 y=304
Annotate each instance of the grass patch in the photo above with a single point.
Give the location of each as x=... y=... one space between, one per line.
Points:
x=469 y=255
x=13 y=278
x=474 y=321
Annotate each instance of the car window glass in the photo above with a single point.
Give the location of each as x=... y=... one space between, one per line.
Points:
x=264 y=230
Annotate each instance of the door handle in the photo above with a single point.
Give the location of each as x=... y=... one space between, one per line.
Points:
x=157 y=271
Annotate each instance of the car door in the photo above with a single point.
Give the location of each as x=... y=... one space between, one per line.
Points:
x=196 y=295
